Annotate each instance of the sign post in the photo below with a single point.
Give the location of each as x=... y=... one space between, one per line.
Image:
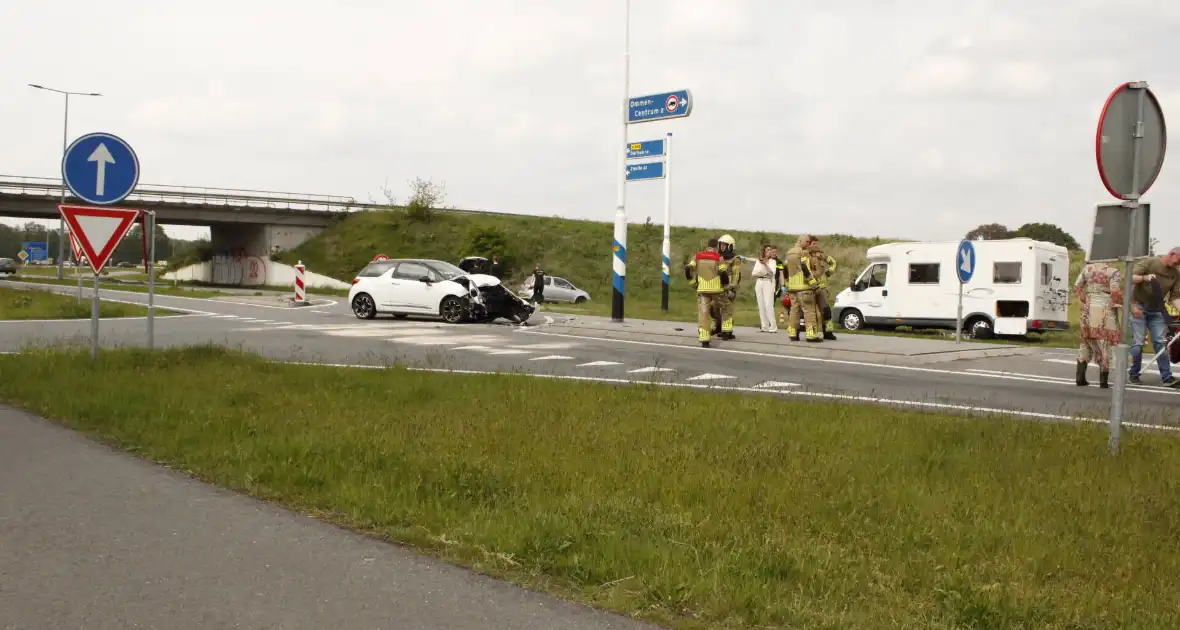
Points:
x=150 y=218
x=965 y=269
x=666 y=246
x=100 y=169
x=1129 y=148
x=77 y=261
x=658 y=169
x=641 y=109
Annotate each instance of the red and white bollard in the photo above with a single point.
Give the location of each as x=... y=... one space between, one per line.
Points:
x=300 y=285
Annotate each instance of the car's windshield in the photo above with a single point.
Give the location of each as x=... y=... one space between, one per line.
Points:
x=444 y=269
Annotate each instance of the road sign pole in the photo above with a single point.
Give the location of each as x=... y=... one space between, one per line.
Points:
x=619 y=247
x=61 y=248
x=959 y=317
x=151 y=263
x=666 y=248
x=1123 y=351
x=94 y=321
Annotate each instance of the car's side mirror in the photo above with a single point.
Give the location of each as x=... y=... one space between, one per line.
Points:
x=425 y=279
x=856 y=286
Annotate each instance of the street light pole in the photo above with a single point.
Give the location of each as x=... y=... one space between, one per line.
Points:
x=61 y=240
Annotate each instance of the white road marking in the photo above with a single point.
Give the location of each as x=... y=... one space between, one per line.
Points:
x=1068 y=382
x=645 y=370
x=552 y=357
x=472 y=348
x=1146 y=368
x=781 y=357
x=509 y=351
x=599 y=364
x=710 y=377
x=775 y=384
x=865 y=399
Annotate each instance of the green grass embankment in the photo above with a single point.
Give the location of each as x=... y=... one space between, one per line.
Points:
x=580 y=252
x=32 y=304
x=688 y=508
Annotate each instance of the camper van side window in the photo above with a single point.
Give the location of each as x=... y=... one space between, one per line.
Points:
x=1007 y=272
x=1046 y=274
x=924 y=273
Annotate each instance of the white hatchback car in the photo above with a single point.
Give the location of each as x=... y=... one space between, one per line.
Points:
x=415 y=286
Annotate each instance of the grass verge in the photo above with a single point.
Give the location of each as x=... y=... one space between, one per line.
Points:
x=114 y=284
x=686 y=508
x=20 y=304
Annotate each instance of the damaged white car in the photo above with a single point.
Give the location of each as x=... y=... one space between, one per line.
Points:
x=432 y=288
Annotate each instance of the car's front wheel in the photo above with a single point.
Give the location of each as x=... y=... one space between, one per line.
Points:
x=363 y=306
x=452 y=310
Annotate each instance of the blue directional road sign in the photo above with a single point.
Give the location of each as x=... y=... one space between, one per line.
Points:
x=37 y=250
x=965 y=261
x=645 y=170
x=100 y=168
x=663 y=106
x=646 y=149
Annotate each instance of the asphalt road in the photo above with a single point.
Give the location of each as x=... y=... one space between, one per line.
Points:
x=91 y=538
x=913 y=373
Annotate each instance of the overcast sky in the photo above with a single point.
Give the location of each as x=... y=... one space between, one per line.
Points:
x=900 y=118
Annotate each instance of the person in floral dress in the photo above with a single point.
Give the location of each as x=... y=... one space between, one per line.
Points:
x=1099 y=288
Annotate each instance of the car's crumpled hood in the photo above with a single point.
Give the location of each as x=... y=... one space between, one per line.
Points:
x=483 y=279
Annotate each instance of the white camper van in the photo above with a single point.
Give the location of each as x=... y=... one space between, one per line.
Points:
x=1019 y=286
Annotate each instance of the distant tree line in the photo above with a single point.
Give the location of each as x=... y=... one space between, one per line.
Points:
x=1036 y=231
x=130 y=249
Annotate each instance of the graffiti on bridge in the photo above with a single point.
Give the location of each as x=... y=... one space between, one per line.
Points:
x=238 y=267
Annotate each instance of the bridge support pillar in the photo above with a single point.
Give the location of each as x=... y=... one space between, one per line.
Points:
x=241 y=252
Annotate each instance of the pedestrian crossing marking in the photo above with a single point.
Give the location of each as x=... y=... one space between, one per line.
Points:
x=646 y=370
x=552 y=357
x=599 y=363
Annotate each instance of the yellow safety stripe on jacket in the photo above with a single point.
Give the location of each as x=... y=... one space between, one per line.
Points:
x=707 y=276
x=798 y=271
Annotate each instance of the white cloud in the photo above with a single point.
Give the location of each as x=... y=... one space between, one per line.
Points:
x=917 y=118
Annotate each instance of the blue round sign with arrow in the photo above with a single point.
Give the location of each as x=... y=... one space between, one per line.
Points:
x=965 y=262
x=100 y=168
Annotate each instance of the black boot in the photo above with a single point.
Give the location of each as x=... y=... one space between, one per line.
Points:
x=1081 y=375
x=1104 y=380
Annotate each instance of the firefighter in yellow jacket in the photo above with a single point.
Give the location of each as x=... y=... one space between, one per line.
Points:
x=823 y=266
x=731 y=264
x=706 y=274
x=801 y=284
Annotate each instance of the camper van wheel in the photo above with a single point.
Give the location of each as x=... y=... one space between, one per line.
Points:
x=851 y=319
x=980 y=328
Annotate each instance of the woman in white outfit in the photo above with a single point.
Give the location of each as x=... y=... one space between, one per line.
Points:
x=764 y=273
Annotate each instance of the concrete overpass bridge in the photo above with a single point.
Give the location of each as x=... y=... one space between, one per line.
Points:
x=245 y=226
x=242 y=223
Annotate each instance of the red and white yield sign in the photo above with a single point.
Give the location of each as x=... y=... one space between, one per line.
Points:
x=98 y=230
x=380 y=257
x=1121 y=120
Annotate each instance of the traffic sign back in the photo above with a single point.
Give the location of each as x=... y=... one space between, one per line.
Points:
x=1114 y=146
x=965 y=261
x=100 y=168
x=98 y=230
